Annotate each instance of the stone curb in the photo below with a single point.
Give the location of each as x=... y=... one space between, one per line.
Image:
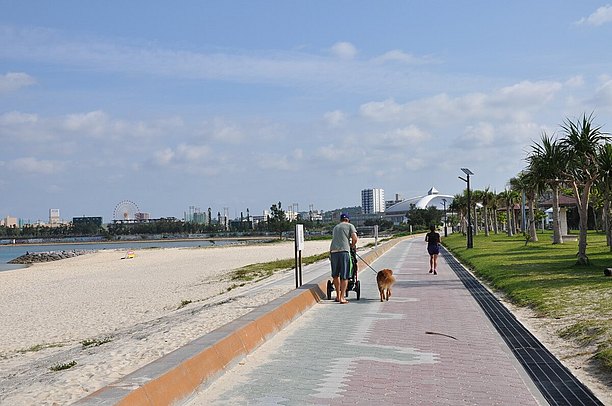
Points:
x=178 y=374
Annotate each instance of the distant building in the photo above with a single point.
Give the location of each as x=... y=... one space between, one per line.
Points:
x=199 y=218
x=397 y=212
x=10 y=222
x=398 y=198
x=142 y=216
x=54 y=218
x=312 y=215
x=373 y=201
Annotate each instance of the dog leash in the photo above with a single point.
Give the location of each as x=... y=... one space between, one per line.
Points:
x=363 y=260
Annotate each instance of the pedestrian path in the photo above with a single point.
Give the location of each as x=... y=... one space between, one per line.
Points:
x=431 y=344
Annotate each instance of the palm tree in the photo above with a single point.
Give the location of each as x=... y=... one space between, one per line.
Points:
x=486 y=198
x=459 y=205
x=476 y=198
x=508 y=197
x=517 y=184
x=581 y=146
x=547 y=161
x=527 y=183
x=493 y=204
x=604 y=184
x=533 y=187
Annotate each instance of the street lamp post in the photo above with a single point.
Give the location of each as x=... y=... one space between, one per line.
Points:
x=470 y=236
x=445 y=229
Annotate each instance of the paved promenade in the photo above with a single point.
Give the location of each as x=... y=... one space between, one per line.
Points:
x=431 y=344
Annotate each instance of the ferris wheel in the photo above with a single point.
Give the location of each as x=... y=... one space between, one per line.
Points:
x=125 y=210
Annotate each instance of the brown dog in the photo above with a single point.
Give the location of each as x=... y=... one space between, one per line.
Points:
x=385 y=279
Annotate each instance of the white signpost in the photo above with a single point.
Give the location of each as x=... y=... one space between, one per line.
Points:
x=375 y=235
x=299 y=246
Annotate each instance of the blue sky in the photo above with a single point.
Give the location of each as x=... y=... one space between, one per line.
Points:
x=241 y=104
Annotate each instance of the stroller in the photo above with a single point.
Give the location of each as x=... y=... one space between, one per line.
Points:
x=353 y=282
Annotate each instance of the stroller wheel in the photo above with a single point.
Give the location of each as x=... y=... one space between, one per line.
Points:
x=358 y=289
x=330 y=288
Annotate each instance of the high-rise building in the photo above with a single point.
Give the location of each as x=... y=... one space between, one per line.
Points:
x=140 y=216
x=389 y=203
x=10 y=222
x=372 y=201
x=54 y=217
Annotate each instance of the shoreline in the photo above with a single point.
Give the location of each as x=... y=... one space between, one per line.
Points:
x=153 y=240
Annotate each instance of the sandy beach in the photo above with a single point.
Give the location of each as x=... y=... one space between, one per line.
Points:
x=134 y=309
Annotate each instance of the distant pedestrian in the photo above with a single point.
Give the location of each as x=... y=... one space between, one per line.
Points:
x=344 y=237
x=433 y=248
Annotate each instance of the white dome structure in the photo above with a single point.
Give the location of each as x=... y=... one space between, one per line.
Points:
x=397 y=212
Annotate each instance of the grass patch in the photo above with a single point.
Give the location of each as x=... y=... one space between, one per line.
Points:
x=585 y=331
x=184 y=303
x=234 y=286
x=95 y=342
x=605 y=357
x=263 y=270
x=40 y=347
x=319 y=237
x=545 y=278
x=61 y=367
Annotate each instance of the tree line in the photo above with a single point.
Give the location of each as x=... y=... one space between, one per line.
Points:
x=575 y=162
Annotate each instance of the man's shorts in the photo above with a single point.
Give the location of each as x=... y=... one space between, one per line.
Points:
x=341 y=264
x=433 y=249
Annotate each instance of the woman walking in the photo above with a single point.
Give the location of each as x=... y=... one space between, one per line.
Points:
x=433 y=248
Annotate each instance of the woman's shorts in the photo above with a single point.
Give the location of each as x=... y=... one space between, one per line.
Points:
x=433 y=249
x=341 y=264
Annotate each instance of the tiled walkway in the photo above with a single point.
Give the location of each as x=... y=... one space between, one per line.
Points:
x=431 y=344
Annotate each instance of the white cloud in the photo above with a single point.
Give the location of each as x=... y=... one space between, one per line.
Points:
x=182 y=154
x=33 y=165
x=337 y=69
x=298 y=154
x=227 y=132
x=381 y=111
x=12 y=81
x=527 y=92
x=576 y=81
x=192 y=153
x=401 y=137
x=414 y=163
x=523 y=98
x=397 y=55
x=92 y=123
x=275 y=162
x=99 y=124
x=164 y=157
x=602 y=15
x=17 y=118
x=334 y=118
x=17 y=126
x=479 y=135
x=344 y=50
x=603 y=94
x=328 y=152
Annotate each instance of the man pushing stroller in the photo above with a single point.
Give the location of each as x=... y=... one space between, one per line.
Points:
x=344 y=238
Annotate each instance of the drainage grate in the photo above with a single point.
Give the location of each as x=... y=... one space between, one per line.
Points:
x=557 y=384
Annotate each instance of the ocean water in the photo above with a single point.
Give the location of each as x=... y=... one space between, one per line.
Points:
x=10 y=252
